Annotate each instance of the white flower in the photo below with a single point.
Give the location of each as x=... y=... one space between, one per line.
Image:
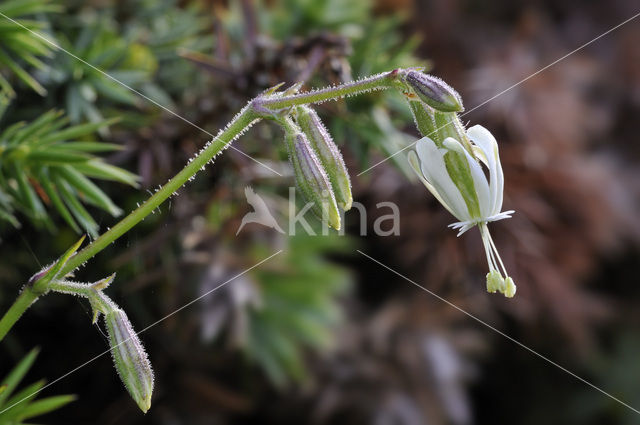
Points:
x=457 y=180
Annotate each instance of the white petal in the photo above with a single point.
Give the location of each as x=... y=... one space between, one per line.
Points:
x=462 y=226
x=479 y=179
x=487 y=143
x=500 y=216
x=415 y=164
x=435 y=171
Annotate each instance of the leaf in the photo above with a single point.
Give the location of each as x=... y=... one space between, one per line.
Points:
x=79 y=212
x=21 y=405
x=74 y=132
x=92 y=147
x=12 y=380
x=54 y=156
x=25 y=42
x=48 y=274
x=45 y=405
x=22 y=74
x=34 y=154
x=28 y=194
x=57 y=201
x=13 y=8
x=25 y=395
x=45 y=123
x=102 y=170
x=92 y=192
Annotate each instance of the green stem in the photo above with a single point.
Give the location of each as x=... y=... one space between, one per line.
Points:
x=98 y=299
x=253 y=112
x=236 y=127
x=19 y=306
x=377 y=82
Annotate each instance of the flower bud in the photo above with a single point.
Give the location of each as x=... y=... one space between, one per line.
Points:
x=311 y=178
x=434 y=92
x=328 y=154
x=129 y=358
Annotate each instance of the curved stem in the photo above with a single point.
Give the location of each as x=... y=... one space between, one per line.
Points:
x=234 y=129
x=261 y=107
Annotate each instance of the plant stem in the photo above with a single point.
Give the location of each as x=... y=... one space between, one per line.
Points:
x=19 y=306
x=254 y=111
x=97 y=298
x=376 y=82
x=235 y=128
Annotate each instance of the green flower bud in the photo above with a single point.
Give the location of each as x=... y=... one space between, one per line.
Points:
x=129 y=358
x=328 y=154
x=434 y=92
x=311 y=178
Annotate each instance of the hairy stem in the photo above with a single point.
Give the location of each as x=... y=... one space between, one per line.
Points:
x=236 y=127
x=19 y=306
x=377 y=82
x=261 y=107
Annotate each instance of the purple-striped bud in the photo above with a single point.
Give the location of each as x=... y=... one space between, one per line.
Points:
x=434 y=92
x=328 y=154
x=129 y=358
x=311 y=178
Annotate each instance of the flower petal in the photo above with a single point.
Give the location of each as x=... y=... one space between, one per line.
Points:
x=487 y=143
x=480 y=183
x=435 y=171
x=414 y=162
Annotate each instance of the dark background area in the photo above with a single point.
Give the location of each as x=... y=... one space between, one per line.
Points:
x=359 y=345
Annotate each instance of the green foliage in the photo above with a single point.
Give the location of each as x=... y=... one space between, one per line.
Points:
x=140 y=51
x=48 y=163
x=369 y=122
x=303 y=17
x=87 y=92
x=18 y=406
x=21 y=48
x=164 y=29
x=299 y=309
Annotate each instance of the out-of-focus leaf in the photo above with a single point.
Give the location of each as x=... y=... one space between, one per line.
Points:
x=46 y=162
x=14 y=377
x=18 y=406
x=104 y=171
x=46 y=405
x=20 y=48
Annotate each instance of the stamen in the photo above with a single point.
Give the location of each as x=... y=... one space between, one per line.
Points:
x=493 y=245
x=491 y=262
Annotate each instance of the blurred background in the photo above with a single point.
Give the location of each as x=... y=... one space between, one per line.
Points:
x=320 y=334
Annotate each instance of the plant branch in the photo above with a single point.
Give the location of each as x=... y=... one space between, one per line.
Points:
x=234 y=129
x=376 y=82
x=19 y=306
x=265 y=106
